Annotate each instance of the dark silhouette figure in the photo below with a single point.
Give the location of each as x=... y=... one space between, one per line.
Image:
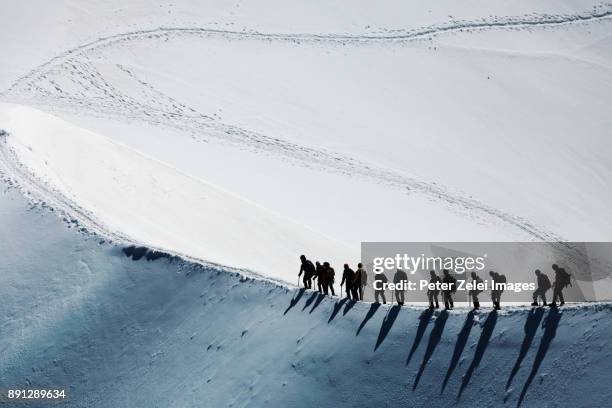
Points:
x=387 y=323
x=462 y=339
x=399 y=277
x=373 y=308
x=348 y=276
x=337 y=308
x=319 y=276
x=496 y=291
x=326 y=278
x=308 y=269
x=543 y=286
x=320 y=298
x=452 y=288
x=356 y=285
x=531 y=327
x=295 y=299
x=476 y=280
x=550 y=330
x=434 y=339
x=362 y=280
x=330 y=278
x=432 y=294
x=423 y=322
x=379 y=280
x=562 y=279
x=483 y=342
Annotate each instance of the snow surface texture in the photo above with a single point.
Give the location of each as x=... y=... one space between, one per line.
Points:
x=76 y=312
x=394 y=121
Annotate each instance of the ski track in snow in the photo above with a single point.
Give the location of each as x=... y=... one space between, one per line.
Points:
x=71 y=82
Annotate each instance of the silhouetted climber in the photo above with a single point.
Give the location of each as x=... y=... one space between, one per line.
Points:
x=361 y=279
x=356 y=285
x=381 y=278
x=319 y=272
x=543 y=286
x=308 y=269
x=562 y=279
x=476 y=280
x=331 y=278
x=432 y=294
x=452 y=288
x=324 y=277
x=399 y=277
x=496 y=292
x=348 y=276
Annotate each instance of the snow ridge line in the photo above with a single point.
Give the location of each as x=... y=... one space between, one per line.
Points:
x=38 y=191
x=15 y=174
x=307 y=156
x=511 y=22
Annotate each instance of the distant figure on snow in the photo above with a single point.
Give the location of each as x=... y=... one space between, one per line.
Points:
x=382 y=278
x=330 y=278
x=308 y=269
x=476 y=280
x=361 y=279
x=452 y=288
x=543 y=286
x=495 y=291
x=319 y=276
x=562 y=279
x=348 y=276
x=399 y=277
x=432 y=294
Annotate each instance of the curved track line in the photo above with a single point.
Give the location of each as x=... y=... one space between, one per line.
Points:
x=123 y=107
x=395 y=35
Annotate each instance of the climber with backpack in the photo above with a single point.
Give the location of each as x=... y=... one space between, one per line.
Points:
x=477 y=281
x=562 y=279
x=543 y=286
x=451 y=288
x=308 y=269
x=499 y=281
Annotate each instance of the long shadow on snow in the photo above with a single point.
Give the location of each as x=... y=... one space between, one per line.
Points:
x=320 y=298
x=373 y=308
x=423 y=321
x=387 y=324
x=310 y=300
x=348 y=306
x=531 y=327
x=295 y=300
x=337 y=308
x=550 y=330
x=462 y=339
x=434 y=339
x=483 y=342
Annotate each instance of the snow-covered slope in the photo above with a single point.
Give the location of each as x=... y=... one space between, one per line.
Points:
x=110 y=188
x=485 y=120
x=77 y=313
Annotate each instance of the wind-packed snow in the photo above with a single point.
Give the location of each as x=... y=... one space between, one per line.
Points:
x=235 y=136
x=118 y=189
x=116 y=332
x=394 y=122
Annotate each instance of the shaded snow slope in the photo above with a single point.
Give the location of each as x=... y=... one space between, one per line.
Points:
x=110 y=188
x=117 y=332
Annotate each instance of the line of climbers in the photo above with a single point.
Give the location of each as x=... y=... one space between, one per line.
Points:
x=354 y=283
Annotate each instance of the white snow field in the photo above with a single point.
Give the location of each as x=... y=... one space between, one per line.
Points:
x=231 y=137
x=110 y=187
x=391 y=121
x=77 y=313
